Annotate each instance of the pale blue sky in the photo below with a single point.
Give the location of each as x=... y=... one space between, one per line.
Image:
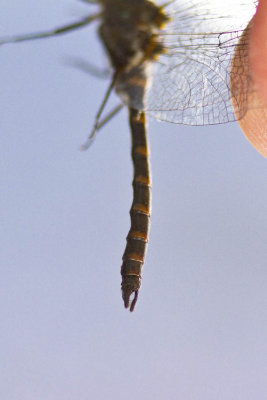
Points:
x=200 y=325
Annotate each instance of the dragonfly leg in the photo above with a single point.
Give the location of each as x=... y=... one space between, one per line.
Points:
x=46 y=34
x=110 y=115
x=90 y=1
x=100 y=125
x=90 y=139
x=87 y=67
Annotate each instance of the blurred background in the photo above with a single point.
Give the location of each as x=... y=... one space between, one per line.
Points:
x=200 y=325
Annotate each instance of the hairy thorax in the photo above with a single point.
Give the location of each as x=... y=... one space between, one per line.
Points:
x=129 y=31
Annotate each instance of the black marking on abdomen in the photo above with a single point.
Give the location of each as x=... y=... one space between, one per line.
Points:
x=137 y=238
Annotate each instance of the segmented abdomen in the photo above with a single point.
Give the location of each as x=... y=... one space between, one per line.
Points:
x=137 y=238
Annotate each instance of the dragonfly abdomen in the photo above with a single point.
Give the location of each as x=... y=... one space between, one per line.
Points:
x=137 y=238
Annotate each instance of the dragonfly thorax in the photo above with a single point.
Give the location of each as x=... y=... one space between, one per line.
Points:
x=129 y=31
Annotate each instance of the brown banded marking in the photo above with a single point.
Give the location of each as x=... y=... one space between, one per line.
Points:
x=131 y=38
x=137 y=238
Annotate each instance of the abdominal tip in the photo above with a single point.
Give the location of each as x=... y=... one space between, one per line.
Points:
x=128 y=302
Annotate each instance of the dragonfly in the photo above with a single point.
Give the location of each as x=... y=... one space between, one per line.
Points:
x=171 y=61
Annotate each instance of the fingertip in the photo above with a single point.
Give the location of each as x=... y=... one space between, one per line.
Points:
x=258 y=49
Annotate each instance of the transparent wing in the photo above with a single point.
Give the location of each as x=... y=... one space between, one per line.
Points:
x=190 y=82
